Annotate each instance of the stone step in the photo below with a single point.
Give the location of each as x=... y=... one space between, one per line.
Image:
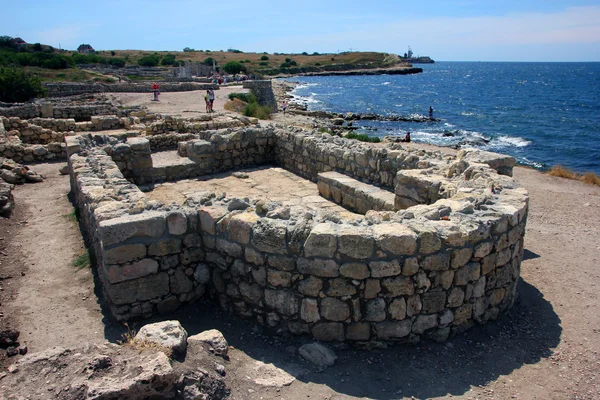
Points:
x=354 y=195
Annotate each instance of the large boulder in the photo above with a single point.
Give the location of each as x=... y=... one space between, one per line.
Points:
x=213 y=340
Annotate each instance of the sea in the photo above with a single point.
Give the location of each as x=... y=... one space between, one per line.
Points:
x=541 y=113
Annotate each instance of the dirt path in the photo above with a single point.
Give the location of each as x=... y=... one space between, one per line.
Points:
x=55 y=302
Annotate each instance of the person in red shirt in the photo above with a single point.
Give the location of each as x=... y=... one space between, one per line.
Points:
x=155 y=90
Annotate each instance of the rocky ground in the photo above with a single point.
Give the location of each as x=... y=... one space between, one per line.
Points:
x=546 y=347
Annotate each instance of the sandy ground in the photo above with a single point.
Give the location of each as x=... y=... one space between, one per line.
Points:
x=546 y=347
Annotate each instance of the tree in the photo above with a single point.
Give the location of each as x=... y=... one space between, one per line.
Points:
x=188 y=50
x=209 y=61
x=149 y=61
x=264 y=58
x=17 y=86
x=234 y=67
x=37 y=47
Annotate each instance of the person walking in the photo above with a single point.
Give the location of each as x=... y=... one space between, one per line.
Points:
x=283 y=107
x=207 y=102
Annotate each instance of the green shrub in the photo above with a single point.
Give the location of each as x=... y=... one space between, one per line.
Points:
x=188 y=50
x=258 y=111
x=17 y=86
x=263 y=63
x=317 y=64
x=285 y=65
x=117 y=62
x=287 y=60
x=149 y=61
x=264 y=58
x=112 y=53
x=37 y=47
x=304 y=53
x=294 y=63
x=234 y=67
x=363 y=138
x=245 y=97
x=209 y=61
x=169 y=59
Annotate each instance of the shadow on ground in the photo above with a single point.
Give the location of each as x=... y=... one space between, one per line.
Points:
x=525 y=335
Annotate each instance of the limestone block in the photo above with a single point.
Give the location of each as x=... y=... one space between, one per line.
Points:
x=462 y=314
x=380 y=269
x=164 y=247
x=310 y=286
x=139 y=144
x=270 y=236
x=488 y=264
x=229 y=248
x=119 y=273
x=397 y=308
x=483 y=249
x=375 y=310
x=209 y=216
x=359 y=331
x=328 y=331
x=123 y=254
x=456 y=297
x=460 y=257
x=433 y=302
x=213 y=340
x=260 y=275
x=393 y=330
x=142 y=289
x=355 y=270
x=169 y=334
x=254 y=257
x=251 y=292
x=399 y=286
x=372 y=288
x=396 y=239
x=284 y=301
x=322 y=241
x=356 y=242
x=340 y=287
x=334 y=310
x=202 y=274
x=279 y=278
x=309 y=310
x=410 y=267
x=413 y=305
x=192 y=255
x=466 y=274
x=117 y=230
x=424 y=322
x=436 y=262
x=240 y=226
x=177 y=223
x=321 y=268
x=282 y=263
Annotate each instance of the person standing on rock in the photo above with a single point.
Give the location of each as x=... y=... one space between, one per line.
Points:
x=430 y=112
x=283 y=107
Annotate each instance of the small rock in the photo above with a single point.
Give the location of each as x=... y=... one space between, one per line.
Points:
x=9 y=337
x=318 y=354
x=12 y=351
x=23 y=350
x=240 y=175
x=220 y=369
x=213 y=339
x=64 y=170
x=237 y=204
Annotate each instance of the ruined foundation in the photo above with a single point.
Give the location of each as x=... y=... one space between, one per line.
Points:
x=429 y=244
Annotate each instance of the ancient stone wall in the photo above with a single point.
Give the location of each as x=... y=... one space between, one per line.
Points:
x=263 y=92
x=64 y=89
x=426 y=271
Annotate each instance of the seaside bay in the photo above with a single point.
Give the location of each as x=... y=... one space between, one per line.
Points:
x=541 y=113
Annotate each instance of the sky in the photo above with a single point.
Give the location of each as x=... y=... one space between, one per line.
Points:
x=446 y=30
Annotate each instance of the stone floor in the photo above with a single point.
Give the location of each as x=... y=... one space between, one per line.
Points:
x=269 y=183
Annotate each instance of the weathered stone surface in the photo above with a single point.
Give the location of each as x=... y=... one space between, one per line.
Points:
x=456 y=297
x=339 y=287
x=410 y=267
x=433 y=302
x=310 y=286
x=318 y=354
x=483 y=249
x=251 y=292
x=328 y=331
x=309 y=310
x=279 y=278
x=460 y=257
x=375 y=310
x=396 y=239
x=169 y=334
x=117 y=230
x=424 y=322
x=381 y=269
x=229 y=248
x=202 y=274
x=180 y=283
x=400 y=286
x=260 y=275
x=437 y=262
x=334 y=309
x=253 y=256
x=413 y=305
x=138 y=269
x=466 y=274
x=372 y=288
x=445 y=279
x=284 y=301
x=282 y=263
x=355 y=270
x=177 y=223
x=322 y=241
x=356 y=242
x=209 y=216
x=462 y=314
x=397 y=308
x=240 y=227
x=213 y=340
x=322 y=268
x=164 y=247
x=393 y=330
x=358 y=331
x=269 y=236
x=123 y=254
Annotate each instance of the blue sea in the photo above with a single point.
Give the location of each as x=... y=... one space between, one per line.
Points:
x=541 y=113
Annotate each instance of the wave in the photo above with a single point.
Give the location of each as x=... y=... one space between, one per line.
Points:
x=512 y=141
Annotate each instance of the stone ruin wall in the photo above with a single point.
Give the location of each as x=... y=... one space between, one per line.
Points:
x=427 y=271
x=64 y=89
x=263 y=91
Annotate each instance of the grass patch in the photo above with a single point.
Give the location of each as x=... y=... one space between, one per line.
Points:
x=235 y=105
x=73 y=216
x=363 y=138
x=589 y=177
x=83 y=261
x=245 y=97
x=129 y=339
x=258 y=111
